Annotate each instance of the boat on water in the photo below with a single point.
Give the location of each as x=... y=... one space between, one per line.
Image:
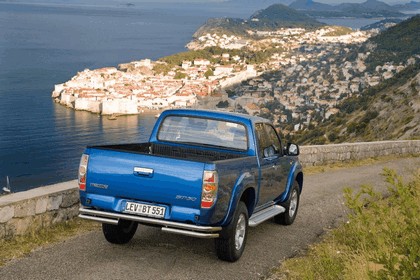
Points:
x=7 y=188
x=112 y=117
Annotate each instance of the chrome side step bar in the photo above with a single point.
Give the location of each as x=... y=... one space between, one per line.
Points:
x=168 y=226
x=265 y=214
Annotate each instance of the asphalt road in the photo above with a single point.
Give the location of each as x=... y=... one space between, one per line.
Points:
x=153 y=254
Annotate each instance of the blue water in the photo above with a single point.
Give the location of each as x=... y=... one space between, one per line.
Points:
x=42 y=45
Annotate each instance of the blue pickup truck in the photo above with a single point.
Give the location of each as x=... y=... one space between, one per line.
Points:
x=204 y=174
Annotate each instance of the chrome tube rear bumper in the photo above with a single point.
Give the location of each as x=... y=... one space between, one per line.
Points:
x=168 y=226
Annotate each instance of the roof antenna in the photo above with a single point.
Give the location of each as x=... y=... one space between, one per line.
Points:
x=7 y=188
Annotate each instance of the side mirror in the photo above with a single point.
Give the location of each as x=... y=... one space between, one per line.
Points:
x=292 y=149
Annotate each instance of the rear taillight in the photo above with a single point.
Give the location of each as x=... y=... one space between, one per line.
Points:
x=82 y=172
x=209 y=190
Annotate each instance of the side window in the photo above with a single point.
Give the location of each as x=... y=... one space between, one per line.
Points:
x=273 y=139
x=261 y=138
x=268 y=142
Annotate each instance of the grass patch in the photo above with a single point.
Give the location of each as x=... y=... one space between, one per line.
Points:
x=339 y=31
x=381 y=240
x=20 y=246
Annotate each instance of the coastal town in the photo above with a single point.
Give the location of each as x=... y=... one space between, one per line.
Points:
x=300 y=83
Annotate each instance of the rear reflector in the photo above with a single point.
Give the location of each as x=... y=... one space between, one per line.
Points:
x=82 y=172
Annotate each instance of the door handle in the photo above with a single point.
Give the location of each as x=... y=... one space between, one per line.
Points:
x=143 y=171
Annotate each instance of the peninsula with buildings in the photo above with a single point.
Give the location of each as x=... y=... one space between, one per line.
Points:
x=290 y=74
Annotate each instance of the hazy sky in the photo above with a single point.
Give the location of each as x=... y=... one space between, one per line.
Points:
x=289 y=1
x=360 y=1
x=280 y=1
x=286 y=2
x=333 y=2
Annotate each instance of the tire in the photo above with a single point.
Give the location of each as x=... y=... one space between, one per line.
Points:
x=121 y=233
x=231 y=244
x=291 y=205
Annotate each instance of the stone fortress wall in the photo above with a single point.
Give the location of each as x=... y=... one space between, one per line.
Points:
x=29 y=211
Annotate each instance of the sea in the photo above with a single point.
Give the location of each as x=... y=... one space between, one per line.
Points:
x=43 y=44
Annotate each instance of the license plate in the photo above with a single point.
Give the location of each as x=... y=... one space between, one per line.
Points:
x=145 y=209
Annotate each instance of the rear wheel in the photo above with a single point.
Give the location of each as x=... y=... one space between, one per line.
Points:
x=121 y=233
x=291 y=205
x=231 y=244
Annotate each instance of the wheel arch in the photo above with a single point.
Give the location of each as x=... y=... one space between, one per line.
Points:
x=244 y=190
x=248 y=197
x=299 y=179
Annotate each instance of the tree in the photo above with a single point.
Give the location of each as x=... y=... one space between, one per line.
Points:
x=223 y=104
x=162 y=68
x=180 y=75
x=209 y=73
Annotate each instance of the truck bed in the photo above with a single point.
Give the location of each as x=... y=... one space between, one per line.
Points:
x=162 y=175
x=172 y=151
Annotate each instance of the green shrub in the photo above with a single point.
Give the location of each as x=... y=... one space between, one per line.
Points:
x=209 y=73
x=381 y=239
x=319 y=141
x=370 y=115
x=180 y=75
x=222 y=104
x=333 y=136
x=162 y=68
x=389 y=229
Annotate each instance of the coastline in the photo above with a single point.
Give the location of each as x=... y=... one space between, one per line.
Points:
x=202 y=82
x=303 y=88
x=136 y=87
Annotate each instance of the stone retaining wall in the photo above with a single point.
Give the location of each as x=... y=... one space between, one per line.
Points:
x=327 y=154
x=31 y=210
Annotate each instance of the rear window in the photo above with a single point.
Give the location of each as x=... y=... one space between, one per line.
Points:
x=200 y=131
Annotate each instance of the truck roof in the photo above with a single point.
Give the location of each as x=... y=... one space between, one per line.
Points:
x=235 y=117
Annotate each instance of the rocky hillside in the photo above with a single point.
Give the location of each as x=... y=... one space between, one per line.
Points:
x=279 y=15
x=368 y=9
x=382 y=25
x=309 y=5
x=397 y=44
x=388 y=111
x=271 y=18
x=393 y=112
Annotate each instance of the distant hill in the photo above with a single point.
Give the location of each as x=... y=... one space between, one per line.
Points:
x=388 y=111
x=261 y=3
x=227 y=26
x=309 y=5
x=368 y=9
x=273 y=17
x=279 y=15
x=411 y=6
x=383 y=24
x=369 y=5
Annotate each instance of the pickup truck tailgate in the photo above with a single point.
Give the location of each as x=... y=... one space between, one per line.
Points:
x=144 y=177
